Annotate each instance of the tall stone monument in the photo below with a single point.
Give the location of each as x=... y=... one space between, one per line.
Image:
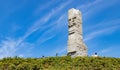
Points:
x=76 y=46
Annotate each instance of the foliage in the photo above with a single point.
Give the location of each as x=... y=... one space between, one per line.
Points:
x=60 y=63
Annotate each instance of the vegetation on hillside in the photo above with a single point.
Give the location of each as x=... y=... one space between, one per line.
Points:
x=60 y=63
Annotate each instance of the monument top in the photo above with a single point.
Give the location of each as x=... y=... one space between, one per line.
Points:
x=73 y=12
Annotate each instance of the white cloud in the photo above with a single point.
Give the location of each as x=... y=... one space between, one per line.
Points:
x=86 y=7
x=39 y=24
x=105 y=51
x=103 y=24
x=62 y=50
x=100 y=32
x=7 y=48
x=94 y=7
x=112 y=51
x=44 y=6
x=56 y=10
x=45 y=38
x=104 y=27
x=21 y=55
x=10 y=47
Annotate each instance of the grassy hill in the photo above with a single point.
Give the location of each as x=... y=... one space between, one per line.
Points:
x=60 y=63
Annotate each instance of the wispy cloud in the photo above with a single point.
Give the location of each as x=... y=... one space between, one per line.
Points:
x=46 y=36
x=103 y=27
x=104 y=30
x=112 y=51
x=39 y=24
x=60 y=50
x=10 y=46
x=7 y=48
x=100 y=32
x=56 y=10
x=21 y=55
x=103 y=24
x=86 y=7
x=44 y=6
x=105 y=50
x=97 y=6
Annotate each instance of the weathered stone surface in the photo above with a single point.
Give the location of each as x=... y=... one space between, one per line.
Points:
x=76 y=46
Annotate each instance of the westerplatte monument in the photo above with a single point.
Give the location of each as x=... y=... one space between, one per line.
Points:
x=76 y=46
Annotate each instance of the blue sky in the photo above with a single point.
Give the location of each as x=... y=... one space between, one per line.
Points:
x=33 y=28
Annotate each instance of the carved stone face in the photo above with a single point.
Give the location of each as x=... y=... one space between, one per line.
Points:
x=73 y=12
x=75 y=27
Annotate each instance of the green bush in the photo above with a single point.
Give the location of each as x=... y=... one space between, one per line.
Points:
x=60 y=63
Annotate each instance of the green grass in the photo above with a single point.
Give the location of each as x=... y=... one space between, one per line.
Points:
x=60 y=63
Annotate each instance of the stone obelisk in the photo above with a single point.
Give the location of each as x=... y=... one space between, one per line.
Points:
x=76 y=46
